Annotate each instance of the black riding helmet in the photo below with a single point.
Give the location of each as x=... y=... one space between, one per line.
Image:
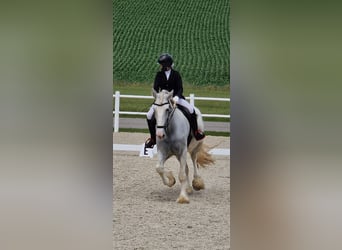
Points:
x=165 y=60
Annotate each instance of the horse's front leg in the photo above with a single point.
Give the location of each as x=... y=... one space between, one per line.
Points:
x=167 y=177
x=183 y=178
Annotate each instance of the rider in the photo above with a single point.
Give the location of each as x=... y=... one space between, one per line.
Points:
x=169 y=79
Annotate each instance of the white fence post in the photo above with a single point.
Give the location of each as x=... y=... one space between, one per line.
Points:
x=116 y=111
x=192 y=99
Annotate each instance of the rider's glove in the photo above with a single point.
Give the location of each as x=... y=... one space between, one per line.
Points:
x=175 y=99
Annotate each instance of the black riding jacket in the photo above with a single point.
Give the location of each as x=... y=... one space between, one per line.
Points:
x=174 y=83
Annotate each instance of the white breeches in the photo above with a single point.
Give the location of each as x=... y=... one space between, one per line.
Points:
x=184 y=103
x=181 y=102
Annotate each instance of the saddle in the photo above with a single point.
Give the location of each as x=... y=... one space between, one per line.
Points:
x=187 y=114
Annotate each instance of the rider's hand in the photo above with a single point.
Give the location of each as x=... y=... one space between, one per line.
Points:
x=175 y=99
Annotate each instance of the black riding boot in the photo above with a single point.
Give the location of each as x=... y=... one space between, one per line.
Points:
x=199 y=135
x=152 y=127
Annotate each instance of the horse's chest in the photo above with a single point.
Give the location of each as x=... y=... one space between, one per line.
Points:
x=173 y=147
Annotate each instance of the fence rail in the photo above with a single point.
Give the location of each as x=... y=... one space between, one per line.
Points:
x=191 y=98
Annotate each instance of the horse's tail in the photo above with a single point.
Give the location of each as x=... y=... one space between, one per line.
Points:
x=204 y=158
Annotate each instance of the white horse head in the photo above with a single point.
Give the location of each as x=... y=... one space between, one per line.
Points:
x=162 y=108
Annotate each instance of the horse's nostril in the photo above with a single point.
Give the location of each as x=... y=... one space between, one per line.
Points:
x=160 y=134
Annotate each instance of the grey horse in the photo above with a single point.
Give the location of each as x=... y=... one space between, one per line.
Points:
x=172 y=139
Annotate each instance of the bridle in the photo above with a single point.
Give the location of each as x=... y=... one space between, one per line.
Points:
x=169 y=116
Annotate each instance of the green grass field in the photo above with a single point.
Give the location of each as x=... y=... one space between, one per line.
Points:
x=195 y=32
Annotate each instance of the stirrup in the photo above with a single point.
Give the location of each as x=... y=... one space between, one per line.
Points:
x=149 y=143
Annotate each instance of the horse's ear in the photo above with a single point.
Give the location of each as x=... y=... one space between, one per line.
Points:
x=154 y=93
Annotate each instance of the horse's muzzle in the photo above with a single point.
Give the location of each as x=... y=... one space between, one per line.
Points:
x=160 y=133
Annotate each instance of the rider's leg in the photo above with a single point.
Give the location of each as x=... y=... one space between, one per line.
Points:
x=151 y=122
x=199 y=135
x=185 y=104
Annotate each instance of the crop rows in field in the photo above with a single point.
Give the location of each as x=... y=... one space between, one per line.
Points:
x=195 y=32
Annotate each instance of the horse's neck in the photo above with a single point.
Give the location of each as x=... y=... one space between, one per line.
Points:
x=178 y=120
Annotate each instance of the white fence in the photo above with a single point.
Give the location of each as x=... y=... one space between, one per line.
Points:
x=191 y=97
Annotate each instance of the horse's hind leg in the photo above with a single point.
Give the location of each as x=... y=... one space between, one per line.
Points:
x=183 y=178
x=167 y=177
x=189 y=188
x=197 y=182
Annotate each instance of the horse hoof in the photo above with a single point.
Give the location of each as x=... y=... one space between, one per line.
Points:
x=198 y=184
x=172 y=179
x=189 y=190
x=182 y=200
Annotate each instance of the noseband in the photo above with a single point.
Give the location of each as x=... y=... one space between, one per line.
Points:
x=169 y=116
x=165 y=103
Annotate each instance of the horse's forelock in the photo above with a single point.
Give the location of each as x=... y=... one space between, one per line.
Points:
x=162 y=96
x=159 y=98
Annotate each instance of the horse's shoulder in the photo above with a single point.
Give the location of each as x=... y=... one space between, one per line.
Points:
x=183 y=112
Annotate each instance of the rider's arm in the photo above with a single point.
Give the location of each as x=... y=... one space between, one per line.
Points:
x=179 y=86
x=157 y=81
